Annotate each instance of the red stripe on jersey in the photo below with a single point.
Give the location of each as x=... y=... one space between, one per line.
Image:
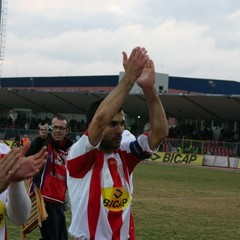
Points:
x=129 y=161
x=6 y=235
x=115 y=221
x=78 y=167
x=115 y=217
x=125 y=170
x=95 y=196
x=132 y=228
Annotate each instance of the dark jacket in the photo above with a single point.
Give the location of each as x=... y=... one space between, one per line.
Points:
x=52 y=179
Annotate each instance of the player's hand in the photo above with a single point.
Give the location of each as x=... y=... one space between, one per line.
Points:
x=8 y=168
x=134 y=65
x=147 y=78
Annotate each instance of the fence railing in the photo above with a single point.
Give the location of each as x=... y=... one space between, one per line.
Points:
x=230 y=149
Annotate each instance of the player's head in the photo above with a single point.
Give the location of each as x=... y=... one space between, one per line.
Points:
x=112 y=134
x=92 y=110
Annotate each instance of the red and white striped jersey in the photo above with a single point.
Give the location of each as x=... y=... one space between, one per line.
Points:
x=100 y=189
x=4 y=149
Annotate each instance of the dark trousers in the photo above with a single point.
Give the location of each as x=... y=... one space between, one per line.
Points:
x=54 y=227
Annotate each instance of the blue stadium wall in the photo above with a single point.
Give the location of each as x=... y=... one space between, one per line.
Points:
x=65 y=81
x=205 y=85
x=180 y=83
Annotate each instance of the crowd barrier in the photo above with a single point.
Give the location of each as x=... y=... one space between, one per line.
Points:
x=179 y=151
x=216 y=148
x=196 y=159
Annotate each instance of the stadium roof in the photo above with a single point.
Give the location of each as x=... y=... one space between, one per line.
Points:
x=197 y=106
x=195 y=98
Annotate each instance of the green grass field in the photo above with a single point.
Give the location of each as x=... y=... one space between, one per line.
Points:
x=180 y=202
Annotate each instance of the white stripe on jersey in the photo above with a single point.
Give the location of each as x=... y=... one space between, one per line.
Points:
x=84 y=166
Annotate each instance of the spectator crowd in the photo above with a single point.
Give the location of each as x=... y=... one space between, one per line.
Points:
x=181 y=131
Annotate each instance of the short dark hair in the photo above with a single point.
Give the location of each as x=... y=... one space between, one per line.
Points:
x=60 y=117
x=93 y=108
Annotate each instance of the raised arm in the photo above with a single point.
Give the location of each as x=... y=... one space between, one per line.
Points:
x=114 y=101
x=157 y=118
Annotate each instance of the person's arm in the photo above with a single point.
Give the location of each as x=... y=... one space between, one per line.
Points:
x=19 y=203
x=157 y=118
x=36 y=146
x=114 y=101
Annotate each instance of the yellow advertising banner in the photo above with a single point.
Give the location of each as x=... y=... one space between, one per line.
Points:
x=177 y=158
x=8 y=142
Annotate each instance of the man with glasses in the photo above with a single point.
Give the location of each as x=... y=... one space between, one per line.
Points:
x=52 y=180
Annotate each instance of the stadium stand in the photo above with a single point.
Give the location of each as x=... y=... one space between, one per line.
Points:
x=187 y=98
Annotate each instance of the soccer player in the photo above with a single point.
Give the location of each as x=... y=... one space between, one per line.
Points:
x=99 y=166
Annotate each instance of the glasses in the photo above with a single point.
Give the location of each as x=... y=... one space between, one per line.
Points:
x=61 y=128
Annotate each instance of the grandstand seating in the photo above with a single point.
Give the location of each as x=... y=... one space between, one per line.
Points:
x=209 y=147
x=219 y=150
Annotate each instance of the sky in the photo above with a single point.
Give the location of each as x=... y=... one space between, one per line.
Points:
x=185 y=38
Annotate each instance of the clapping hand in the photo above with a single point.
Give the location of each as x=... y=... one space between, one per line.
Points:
x=8 y=167
x=31 y=165
x=147 y=78
x=14 y=166
x=134 y=65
